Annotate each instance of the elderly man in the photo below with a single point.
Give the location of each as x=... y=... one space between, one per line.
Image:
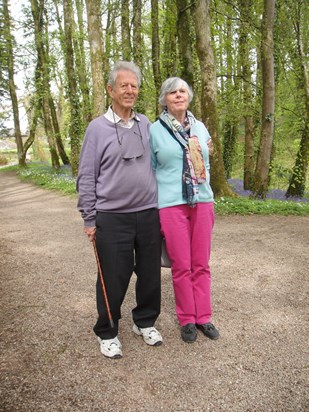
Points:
x=117 y=198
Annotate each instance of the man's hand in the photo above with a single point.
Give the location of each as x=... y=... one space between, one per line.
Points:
x=90 y=232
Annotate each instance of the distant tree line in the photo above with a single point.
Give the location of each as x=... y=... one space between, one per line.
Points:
x=246 y=61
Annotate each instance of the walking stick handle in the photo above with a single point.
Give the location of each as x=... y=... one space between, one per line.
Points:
x=111 y=322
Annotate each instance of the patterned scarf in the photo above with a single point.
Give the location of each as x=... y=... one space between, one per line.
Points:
x=193 y=169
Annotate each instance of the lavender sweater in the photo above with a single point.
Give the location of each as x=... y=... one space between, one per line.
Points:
x=108 y=183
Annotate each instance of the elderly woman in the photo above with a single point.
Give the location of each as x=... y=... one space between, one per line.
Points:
x=180 y=158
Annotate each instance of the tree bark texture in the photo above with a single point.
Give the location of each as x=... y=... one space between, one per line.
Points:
x=34 y=121
x=268 y=102
x=137 y=33
x=156 y=51
x=209 y=96
x=184 y=42
x=76 y=127
x=57 y=133
x=95 y=36
x=81 y=63
x=244 y=56
x=169 y=56
x=12 y=87
x=42 y=80
x=298 y=179
x=138 y=49
x=185 y=46
x=231 y=117
x=125 y=30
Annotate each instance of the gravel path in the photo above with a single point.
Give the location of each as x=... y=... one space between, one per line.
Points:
x=50 y=359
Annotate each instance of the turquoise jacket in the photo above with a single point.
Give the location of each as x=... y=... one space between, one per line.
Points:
x=166 y=157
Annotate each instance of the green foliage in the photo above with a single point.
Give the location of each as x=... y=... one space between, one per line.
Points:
x=3 y=160
x=4 y=86
x=45 y=176
x=280 y=176
x=245 y=206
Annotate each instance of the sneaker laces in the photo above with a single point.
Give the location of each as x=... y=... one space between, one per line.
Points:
x=152 y=331
x=114 y=343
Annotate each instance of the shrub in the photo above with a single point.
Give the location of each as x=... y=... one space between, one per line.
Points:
x=3 y=160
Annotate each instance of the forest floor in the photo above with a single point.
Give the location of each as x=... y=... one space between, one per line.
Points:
x=50 y=358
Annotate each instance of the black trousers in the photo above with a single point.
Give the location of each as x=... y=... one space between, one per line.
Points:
x=128 y=242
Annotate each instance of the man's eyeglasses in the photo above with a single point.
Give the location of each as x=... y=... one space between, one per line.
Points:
x=131 y=143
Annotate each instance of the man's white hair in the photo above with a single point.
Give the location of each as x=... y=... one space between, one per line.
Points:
x=124 y=65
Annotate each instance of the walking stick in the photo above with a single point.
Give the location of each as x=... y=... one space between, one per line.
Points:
x=111 y=322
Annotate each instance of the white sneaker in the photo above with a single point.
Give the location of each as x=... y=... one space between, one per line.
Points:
x=111 y=348
x=150 y=335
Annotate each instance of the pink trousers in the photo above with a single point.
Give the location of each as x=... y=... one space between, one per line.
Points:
x=188 y=242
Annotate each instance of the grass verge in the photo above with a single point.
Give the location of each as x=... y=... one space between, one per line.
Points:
x=61 y=180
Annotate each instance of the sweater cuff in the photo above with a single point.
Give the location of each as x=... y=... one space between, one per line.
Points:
x=89 y=223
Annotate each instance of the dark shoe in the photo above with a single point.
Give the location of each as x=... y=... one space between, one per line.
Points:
x=188 y=332
x=209 y=330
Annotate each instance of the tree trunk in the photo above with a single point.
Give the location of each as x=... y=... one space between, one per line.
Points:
x=10 y=66
x=185 y=48
x=81 y=64
x=125 y=30
x=229 y=141
x=156 y=51
x=34 y=121
x=75 y=129
x=58 y=138
x=184 y=42
x=109 y=49
x=231 y=119
x=169 y=58
x=42 y=78
x=53 y=114
x=95 y=36
x=209 y=96
x=138 y=49
x=244 y=57
x=249 y=152
x=298 y=180
x=261 y=179
x=137 y=33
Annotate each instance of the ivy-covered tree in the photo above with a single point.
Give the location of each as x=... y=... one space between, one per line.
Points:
x=246 y=68
x=79 y=37
x=300 y=14
x=261 y=179
x=125 y=30
x=209 y=95
x=9 y=41
x=76 y=129
x=229 y=89
x=95 y=37
x=156 y=50
x=43 y=80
